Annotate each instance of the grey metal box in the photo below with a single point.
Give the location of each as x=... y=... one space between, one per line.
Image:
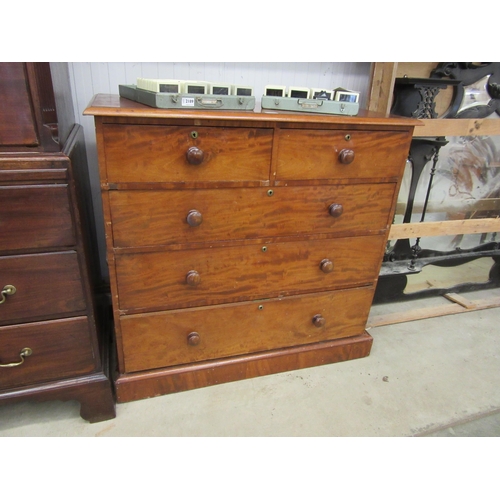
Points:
x=187 y=101
x=310 y=105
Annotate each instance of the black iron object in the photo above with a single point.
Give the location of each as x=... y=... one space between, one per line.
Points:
x=403 y=259
x=436 y=144
x=477 y=95
x=415 y=97
x=422 y=150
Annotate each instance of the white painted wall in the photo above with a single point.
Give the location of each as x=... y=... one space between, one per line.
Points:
x=88 y=79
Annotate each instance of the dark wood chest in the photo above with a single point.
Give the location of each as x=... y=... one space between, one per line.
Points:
x=52 y=344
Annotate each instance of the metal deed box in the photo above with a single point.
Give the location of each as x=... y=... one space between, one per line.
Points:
x=310 y=105
x=187 y=101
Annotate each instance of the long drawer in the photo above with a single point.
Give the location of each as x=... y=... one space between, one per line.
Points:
x=136 y=153
x=147 y=218
x=34 y=217
x=186 y=278
x=187 y=336
x=45 y=285
x=330 y=154
x=59 y=349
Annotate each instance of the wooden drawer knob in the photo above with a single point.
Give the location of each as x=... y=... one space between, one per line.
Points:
x=318 y=321
x=193 y=338
x=346 y=156
x=193 y=278
x=336 y=210
x=194 y=218
x=326 y=265
x=194 y=155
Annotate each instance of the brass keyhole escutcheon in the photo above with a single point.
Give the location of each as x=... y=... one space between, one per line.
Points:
x=348 y=137
x=194 y=134
x=270 y=192
x=264 y=249
x=261 y=307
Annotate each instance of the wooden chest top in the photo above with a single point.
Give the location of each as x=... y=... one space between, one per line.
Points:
x=111 y=105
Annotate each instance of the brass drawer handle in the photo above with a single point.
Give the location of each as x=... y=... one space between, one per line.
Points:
x=195 y=155
x=7 y=290
x=24 y=353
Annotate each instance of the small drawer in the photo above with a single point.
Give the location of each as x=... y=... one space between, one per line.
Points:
x=34 y=217
x=149 y=153
x=333 y=154
x=148 y=218
x=188 y=336
x=185 y=278
x=59 y=349
x=45 y=285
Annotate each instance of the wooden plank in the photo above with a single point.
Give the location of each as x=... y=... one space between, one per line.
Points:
x=432 y=312
x=454 y=207
x=415 y=69
x=458 y=299
x=458 y=127
x=381 y=87
x=413 y=315
x=442 y=228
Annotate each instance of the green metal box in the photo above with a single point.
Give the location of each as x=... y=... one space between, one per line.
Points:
x=187 y=101
x=310 y=105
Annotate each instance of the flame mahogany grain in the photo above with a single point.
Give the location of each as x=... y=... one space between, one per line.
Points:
x=241 y=244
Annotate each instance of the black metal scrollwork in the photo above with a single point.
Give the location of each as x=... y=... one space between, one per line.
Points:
x=477 y=94
x=403 y=259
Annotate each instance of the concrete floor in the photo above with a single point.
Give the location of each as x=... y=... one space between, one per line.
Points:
x=431 y=377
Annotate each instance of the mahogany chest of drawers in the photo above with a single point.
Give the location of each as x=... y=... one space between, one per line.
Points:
x=241 y=244
x=51 y=346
